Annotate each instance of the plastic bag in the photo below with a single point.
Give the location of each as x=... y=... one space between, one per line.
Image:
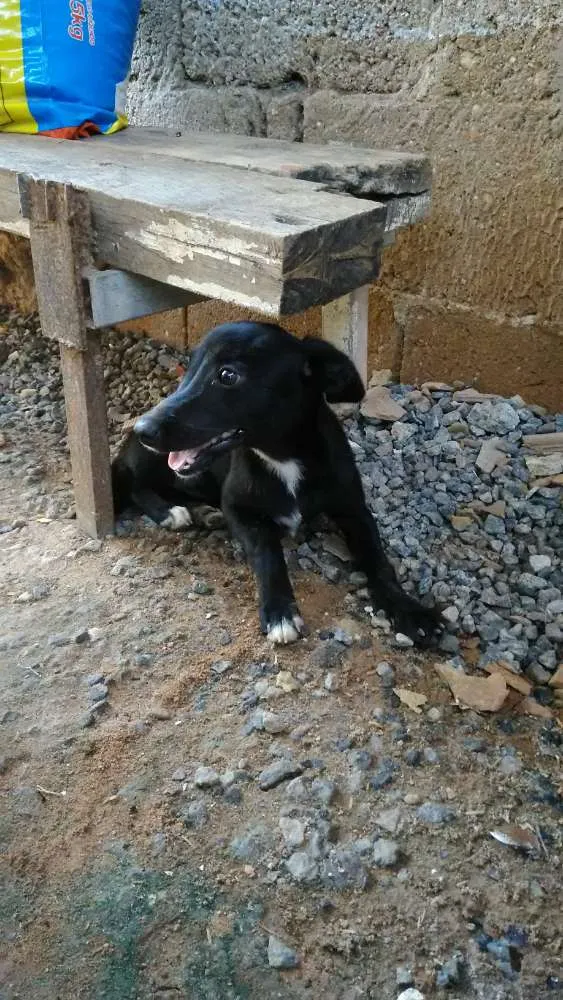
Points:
x=64 y=65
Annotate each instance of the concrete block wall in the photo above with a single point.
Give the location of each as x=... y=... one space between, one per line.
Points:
x=476 y=292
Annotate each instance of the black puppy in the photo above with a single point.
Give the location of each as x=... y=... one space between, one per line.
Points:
x=249 y=430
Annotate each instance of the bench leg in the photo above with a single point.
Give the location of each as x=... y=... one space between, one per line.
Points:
x=345 y=324
x=60 y=246
x=88 y=437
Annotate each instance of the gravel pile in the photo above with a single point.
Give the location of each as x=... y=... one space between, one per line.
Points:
x=472 y=518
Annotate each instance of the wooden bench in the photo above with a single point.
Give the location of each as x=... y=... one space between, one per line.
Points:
x=147 y=220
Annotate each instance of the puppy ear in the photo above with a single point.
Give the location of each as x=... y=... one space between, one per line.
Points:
x=333 y=371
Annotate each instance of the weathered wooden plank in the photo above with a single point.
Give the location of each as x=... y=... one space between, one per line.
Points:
x=60 y=240
x=345 y=324
x=118 y=296
x=268 y=242
x=83 y=381
x=356 y=170
x=59 y=225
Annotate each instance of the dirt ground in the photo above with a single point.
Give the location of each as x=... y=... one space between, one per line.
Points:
x=108 y=892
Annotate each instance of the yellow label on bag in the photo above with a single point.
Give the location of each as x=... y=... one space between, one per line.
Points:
x=14 y=109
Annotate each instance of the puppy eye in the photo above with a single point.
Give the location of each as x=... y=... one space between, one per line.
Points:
x=228 y=377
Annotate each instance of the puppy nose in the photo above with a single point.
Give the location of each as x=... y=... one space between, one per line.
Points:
x=147 y=430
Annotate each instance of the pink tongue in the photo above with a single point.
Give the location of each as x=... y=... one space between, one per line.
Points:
x=176 y=459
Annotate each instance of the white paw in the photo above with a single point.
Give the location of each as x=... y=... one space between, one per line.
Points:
x=178 y=518
x=286 y=631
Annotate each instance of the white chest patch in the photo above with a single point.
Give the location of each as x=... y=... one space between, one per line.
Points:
x=290 y=471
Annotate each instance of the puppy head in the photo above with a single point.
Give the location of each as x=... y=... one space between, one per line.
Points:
x=251 y=382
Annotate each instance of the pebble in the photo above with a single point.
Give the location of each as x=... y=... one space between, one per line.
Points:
x=302 y=867
x=411 y=994
x=434 y=714
x=385 y=673
x=280 y=770
x=97 y=692
x=251 y=845
x=342 y=869
x=432 y=813
x=206 y=777
x=195 y=814
x=404 y=976
x=274 y=724
x=293 y=831
x=221 y=666
x=280 y=956
x=385 y=853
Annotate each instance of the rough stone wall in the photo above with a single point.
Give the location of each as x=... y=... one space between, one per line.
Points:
x=476 y=292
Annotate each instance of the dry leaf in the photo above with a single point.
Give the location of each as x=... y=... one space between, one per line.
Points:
x=518 y=837
x=529 y=706
x=513 y=680
x=484 y=694
x=412 y=699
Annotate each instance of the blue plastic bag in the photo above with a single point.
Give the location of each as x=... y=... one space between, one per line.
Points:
x=64 y=65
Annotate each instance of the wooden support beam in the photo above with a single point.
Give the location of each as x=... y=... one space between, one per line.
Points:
x=83 y=379
x=345 y=324
x=119 y=296
x=60 y=240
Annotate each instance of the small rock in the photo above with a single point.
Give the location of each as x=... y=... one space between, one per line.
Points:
x=280 y=956
x=323 y=790
x=378 y=404
x=390 y=819
x=494 y=417
x=251 y=845
x=460 y=522
x=403 y=641
x=293 y=831
x=179 y=774
x=97 y=692
x=342 y=869
x=195 y=814
x=434 y=714
x=490 y=456
x=206 y=777
x=232 y=795
x=274 y=724
x=385 y=853
x=383 y=776
x=302 y=867
x=404 y=976
x=451 y=614
x=280 y=770
x=433 y=813
x=411 y=994
x=94 y=679
x=385 y=673
x=221 y=666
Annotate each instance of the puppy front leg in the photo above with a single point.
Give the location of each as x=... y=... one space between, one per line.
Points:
x=358 y=526
x=162 y=513
x=279 y=614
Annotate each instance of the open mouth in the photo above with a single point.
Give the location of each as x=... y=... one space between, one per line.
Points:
x=191 y=460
